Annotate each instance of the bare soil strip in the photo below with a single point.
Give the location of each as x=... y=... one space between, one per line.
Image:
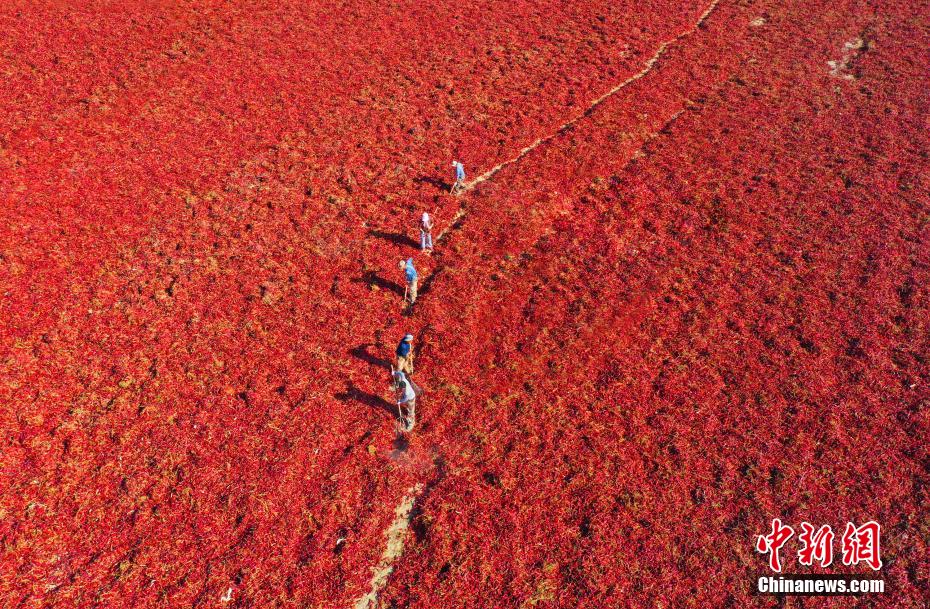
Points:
x=395 y=547
x=647 y=67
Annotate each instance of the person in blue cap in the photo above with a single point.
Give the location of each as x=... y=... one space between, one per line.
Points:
x=411 y=274
x=405 y=354
x=459 y=184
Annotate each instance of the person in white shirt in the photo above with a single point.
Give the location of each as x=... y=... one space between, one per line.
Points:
x=406 y=400
x=426 y=233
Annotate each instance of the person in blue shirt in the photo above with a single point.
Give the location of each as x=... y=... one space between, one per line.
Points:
x=411 y=274
x=459 y=184
x=405 y=354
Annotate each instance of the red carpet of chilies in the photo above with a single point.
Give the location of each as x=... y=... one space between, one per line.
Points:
x=701 y=305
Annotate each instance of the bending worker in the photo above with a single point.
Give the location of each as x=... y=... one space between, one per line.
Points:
x=459 y=177
x=406 y=400
x=411 y=274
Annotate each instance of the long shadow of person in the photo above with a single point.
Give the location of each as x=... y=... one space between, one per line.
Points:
x=395 y=238
x=440 y=184
x=361 y=352
x=353 y=393
x=372 y=278
x=428 y=282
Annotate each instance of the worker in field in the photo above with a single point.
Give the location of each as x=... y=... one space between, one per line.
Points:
x=459 y=184
x=405 y=354
x=407 y=393
x=426 y=233
x=410 y=273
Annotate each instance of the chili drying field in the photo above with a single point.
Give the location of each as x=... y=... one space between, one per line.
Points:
x=685 y=293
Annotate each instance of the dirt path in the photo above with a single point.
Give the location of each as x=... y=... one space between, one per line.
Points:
x=394 y=548
x=647 y=67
